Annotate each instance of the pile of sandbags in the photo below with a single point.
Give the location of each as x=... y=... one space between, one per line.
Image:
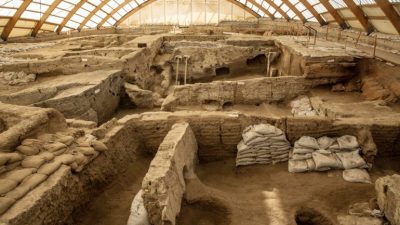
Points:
x=325 y=153
x=262 y=144
x=36 y=159
x=301 y=106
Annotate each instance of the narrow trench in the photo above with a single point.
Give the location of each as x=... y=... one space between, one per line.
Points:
x=113 y=205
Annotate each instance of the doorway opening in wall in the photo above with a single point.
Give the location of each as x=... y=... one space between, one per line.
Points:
x=222 y=71
x=257 y=61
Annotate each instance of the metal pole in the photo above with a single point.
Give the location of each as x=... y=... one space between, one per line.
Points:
x=177 y=68
x=186 y=66
x=358 y=38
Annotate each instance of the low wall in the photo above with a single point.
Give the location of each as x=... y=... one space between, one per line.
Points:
x=164 y=184
x=253 y=91
x=67 y=190
x=218 y=133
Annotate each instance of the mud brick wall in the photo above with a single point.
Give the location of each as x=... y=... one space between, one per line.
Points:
x=268 y=89
x=218 y=133
x=164 y=184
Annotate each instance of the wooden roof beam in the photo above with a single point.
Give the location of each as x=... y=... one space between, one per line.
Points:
x=390 y=13
x=295 y=10
x=92 y=13
x=334 y=13
x=11 y=23
x=43 y=19
x=314 y=12
x=357 y=11
x=70 y=14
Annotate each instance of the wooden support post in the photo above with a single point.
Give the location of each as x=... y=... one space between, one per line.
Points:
x=375 y=42
x=358 y=38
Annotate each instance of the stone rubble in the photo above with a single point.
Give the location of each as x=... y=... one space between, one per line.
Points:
x=262 y=144
x=17 y=78
x=301 y=106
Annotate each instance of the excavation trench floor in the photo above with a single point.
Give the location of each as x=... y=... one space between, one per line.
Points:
x=112 y=207
x=262 y=194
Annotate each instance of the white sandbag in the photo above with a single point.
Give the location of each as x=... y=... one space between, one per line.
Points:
x=33 y=161
x=55 y=146
x=138 y=213
x=347 y=142
x=323 y=151
x=7 y=185
x=356 y=176
x=323 y=161
x=297 y=166
x=351 y=160
x=302 y=156
x=266 y=130
x=248 y=136
x=256 y=141
x=19 y=174
x=308 y=142
x=241 y=146
x=310 y=164
x=324 y=142
x=302 y=150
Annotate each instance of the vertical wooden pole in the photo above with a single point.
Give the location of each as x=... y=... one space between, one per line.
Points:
x=375 y=42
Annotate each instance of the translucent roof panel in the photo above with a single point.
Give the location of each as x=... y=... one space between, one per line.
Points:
x=78 y=14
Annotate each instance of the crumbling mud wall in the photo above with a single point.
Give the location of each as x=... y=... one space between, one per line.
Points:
x=218 y=133
x=22 y=121
x=90 y=96
x=59 y=185
x=388 y=196
x=164 y=184
x=298 y=60
x=211 y=59
x=252 y=91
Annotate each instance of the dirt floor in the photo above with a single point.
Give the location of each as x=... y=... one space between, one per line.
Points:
x=112 y=207
x=252 y=195
x=261 y=194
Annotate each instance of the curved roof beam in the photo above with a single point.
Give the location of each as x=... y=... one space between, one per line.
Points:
x=357 y=11
x=295 y=10
x=11 y=23
x=44 y=17
x=314 y=12
x=390 y=13
x=70 y=14
x=92 y=13
x=334 y=14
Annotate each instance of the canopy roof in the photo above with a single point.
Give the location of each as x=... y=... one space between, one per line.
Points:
x=29 y=17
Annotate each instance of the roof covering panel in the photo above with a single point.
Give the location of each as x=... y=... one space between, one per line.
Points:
x=77 y=14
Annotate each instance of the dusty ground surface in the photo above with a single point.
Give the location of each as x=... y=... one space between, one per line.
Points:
x=112 y=207
x=271 y=195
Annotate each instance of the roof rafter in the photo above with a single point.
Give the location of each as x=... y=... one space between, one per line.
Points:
x=109 y=15
x=11 y=23
x=295 y=10
x=359 y=13
x=44 y=17
x=313 y=12
x=92 y=13
x=70 y=14
x=334 y=14
x=390 y=13
x=265 y=11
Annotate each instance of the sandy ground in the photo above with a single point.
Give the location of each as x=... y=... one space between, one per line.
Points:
x=256 y=195
x=112 y=207
x=253 y=195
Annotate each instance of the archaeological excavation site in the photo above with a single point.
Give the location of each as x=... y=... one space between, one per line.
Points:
x=200 y=112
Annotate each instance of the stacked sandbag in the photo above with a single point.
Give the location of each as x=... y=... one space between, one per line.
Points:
x=301 y=106
x=36 y=159
x=262 y=144
x=325 y=153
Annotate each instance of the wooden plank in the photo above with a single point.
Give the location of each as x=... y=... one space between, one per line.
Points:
x=44 y=17
x=11 y=23
x=92 y=13
x=359 y=13
x=70 y=14
x=390 y=13
x=314 y=12
x=334 y=14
